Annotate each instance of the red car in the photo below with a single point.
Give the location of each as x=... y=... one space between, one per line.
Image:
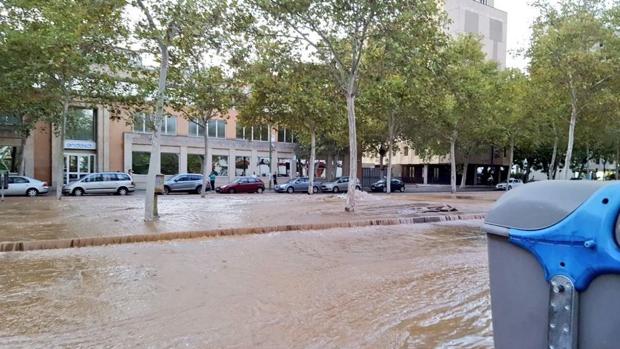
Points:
x=243 y=185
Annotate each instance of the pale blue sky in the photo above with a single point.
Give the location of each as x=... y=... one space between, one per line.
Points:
x=520 y=18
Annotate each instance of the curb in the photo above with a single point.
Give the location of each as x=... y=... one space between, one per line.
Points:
x=34 y=245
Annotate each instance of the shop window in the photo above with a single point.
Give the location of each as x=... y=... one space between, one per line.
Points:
x=194 y=163
x=140 y=162
x=169 y=163
x=220 y=165
x=284 y=167
x=242 y=164
x=263 y=166
x=81 y=125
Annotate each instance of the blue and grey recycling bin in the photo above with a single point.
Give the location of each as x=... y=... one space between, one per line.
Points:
x=554 y=264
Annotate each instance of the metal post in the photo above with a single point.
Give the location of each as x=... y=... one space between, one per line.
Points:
x=270 y=158
x=2 y=180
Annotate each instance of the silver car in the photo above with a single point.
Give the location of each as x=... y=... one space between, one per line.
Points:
x=340 y=184
x=186 y=182
x=299 y=185
x=101 y=183
x=22 y=185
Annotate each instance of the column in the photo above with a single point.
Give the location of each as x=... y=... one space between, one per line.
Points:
x=253 y=168
x=127 y=153
x=29 y=156
x=231 y=165
x=55 y=163
x=425 y=173
x=273 y=166
x=106 y=140
x=183 y=160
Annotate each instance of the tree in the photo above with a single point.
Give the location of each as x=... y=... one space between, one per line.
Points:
x=173 y=32
x=294 y=95
x=69 y=53
x=336 y=33
x=203 y=94
x=459 y=103
x=572 y=52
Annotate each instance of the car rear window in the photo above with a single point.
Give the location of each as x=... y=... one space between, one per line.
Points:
x=122 y=177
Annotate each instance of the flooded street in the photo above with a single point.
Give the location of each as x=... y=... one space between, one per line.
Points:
x=407 y=286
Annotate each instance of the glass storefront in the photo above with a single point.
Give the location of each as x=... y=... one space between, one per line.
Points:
x=220 y=165
x=263 y=166
x=194 y=163
x=242 y=164
x=77 y=166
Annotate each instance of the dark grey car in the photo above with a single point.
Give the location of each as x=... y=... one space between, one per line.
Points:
x=185 y=182
x=299 y=185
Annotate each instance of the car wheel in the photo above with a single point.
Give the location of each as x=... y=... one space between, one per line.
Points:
x=122 y=191
x=166 y=190
x=336 y=189
x=315 y=190
x=78 y=192
x=402 y=189
x=231 y=191
x=260 y=190
x=198 y=189
x=290 y=190
x=32 y=192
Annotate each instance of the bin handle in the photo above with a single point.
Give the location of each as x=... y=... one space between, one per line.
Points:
x=583 y=245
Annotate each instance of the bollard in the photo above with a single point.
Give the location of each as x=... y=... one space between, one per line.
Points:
x=554 y=266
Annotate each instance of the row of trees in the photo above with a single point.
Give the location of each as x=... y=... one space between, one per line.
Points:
x=360 y=76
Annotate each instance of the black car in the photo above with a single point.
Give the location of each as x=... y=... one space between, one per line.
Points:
x=379 y=186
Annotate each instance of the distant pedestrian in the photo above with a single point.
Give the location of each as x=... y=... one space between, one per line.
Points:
x=275 y=179
x=212 y=177
x=254 y=175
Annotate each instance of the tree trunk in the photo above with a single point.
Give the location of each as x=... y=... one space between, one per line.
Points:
x=205 y=169
x=453 y=163
x=381 y=156
x=350 y=203
x=388 y=179
x=571 y=131
x=21 y=164
x=329 y=166
x=155 y=160
x=312 y=160
x=551 y=174
x=464 y=177
x=61 y=150
x=617 y=160
x=511 y=159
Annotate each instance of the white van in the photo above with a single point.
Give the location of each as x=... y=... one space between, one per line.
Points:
x=101 y=183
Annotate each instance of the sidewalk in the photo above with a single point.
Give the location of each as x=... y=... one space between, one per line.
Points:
x=45 y=218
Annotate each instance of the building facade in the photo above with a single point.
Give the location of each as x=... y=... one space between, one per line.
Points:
x=481 y=18
x=95 y=142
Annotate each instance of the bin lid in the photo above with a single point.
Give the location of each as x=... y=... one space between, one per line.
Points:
x=539 y=205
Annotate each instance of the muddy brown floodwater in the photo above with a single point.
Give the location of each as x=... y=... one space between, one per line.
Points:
x=410 y=286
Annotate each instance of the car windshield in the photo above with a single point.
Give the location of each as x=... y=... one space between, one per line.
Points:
x=238 y=180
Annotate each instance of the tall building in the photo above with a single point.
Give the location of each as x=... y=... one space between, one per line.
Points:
x=481 y=18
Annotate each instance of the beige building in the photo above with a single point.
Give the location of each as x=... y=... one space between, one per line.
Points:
x=95 y=142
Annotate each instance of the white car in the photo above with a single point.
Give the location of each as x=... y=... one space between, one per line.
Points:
x=512 y=183
x=22 y=185
x=100 y=183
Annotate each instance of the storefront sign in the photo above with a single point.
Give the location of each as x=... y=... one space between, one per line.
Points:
x=87 y=145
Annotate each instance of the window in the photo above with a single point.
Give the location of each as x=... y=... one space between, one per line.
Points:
x=169 y=163
x=242 y=163
x=109 y=177
x=263 y=166
x=406 y=151
x=194 y=163
x=196 y=130
x=123 y=177
x=243 y=132
x=18 y=180
x=285 y=135
x=143 y=124
x=9 y=120
x=217 y=128
x=261 y=133
x=220 y=165
x=140 y=162
x=81 y=125
x=169 y=126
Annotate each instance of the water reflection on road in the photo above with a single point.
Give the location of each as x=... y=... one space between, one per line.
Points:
x=403 y=286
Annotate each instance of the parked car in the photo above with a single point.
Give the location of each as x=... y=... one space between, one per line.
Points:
x=380 y=185
x=299 y=185
x=186 y=182
x=101 y=183
x=512 y=183
x=22 y=185
x=340 y=184
x=243 y=185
